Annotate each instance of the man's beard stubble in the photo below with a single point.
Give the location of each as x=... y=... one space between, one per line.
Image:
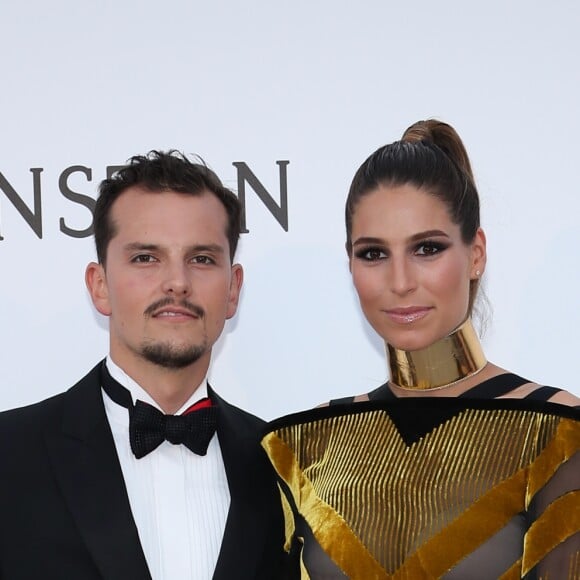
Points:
x=168 y=356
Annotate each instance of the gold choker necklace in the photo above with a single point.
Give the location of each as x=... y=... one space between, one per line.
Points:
x=440 y=365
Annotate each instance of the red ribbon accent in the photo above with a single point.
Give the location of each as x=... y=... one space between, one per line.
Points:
x=201 y=404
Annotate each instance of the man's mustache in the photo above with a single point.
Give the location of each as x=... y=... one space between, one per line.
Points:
x=193 y=308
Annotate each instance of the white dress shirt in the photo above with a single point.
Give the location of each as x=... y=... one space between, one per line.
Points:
x=179 y=500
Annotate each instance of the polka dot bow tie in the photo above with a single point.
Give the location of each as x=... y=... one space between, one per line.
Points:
x=149 y=427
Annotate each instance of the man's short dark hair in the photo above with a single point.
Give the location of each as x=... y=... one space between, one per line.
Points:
x=161 y=171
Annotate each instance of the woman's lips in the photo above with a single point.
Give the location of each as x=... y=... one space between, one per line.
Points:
x=407 y=315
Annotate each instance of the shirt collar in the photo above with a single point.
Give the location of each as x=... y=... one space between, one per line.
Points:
x=138 y=393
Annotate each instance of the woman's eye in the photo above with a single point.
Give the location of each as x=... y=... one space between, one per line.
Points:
x=371 y=254
x=429 y=248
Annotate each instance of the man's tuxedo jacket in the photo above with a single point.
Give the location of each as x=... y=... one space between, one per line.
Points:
x=64 y=509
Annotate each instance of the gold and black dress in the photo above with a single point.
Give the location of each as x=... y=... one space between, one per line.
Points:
x=471 y=487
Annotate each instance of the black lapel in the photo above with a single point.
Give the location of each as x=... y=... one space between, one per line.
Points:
x=249 y=526
x=88 y=471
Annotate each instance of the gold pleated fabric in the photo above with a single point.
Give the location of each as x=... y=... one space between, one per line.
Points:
x=383 y=509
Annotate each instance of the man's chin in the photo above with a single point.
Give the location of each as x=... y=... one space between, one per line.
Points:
x=172 y=357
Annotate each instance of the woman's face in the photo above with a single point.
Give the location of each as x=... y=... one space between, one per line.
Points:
x=410 y=267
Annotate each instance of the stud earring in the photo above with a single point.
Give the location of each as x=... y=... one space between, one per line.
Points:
x=478 y=273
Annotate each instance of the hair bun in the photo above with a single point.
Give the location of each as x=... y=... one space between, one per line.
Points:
x=443 y=136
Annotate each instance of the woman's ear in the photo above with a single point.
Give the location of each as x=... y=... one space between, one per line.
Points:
x=478 y=255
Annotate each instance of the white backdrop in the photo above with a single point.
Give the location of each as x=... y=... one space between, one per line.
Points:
x=320 y=84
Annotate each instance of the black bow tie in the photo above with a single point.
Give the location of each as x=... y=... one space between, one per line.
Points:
x=149 y=427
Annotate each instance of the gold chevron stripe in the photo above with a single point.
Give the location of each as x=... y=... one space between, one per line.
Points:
x=329 y=528
x=560 y=520
x=482 y=520
x=562 y=446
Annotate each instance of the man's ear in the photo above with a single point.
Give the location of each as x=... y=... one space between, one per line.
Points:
x=235 y=289
x=96 y=281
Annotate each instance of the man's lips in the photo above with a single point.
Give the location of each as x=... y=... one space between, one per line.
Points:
x=174 y=313
x=167 y=308
x=407 y=315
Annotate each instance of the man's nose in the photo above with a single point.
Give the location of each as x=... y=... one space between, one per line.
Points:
x=176 y=280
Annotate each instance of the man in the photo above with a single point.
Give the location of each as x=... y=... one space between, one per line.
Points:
x=97 y=483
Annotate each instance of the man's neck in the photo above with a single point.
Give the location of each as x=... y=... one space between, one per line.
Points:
x=169 y=388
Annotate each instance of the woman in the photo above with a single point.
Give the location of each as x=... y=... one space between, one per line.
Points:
x=455 y=468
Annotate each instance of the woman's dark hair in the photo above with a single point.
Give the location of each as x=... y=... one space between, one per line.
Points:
x=432 y=157
x=161 y=171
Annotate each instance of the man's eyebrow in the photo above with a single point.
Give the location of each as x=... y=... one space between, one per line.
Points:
x=139 y=246
x=211 y=248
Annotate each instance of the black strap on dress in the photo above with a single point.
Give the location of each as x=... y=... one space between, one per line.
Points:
x=495 y=387
x=382 y=393
x=341 y=401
